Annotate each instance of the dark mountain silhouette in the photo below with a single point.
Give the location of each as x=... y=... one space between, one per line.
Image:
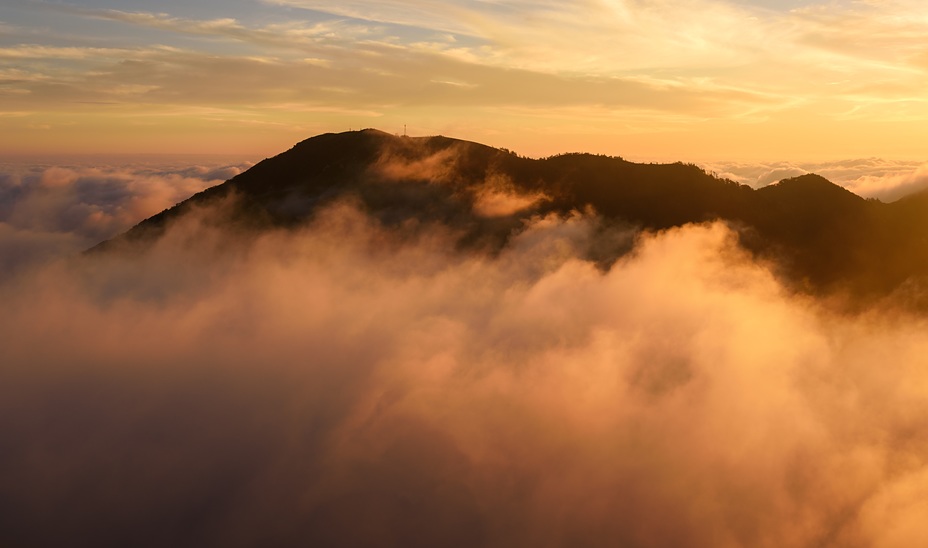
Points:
x=820 y=238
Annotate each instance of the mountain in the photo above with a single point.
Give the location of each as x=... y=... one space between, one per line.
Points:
x=818 y=237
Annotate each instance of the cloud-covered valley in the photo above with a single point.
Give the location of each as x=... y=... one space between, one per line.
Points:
x=51 y=210
x=350 y=383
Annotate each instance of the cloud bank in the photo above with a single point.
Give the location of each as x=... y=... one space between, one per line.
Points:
x=886 y=180
x=48 y=211
x=345 y=384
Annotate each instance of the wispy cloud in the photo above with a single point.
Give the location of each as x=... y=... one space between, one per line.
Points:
x=168 y=76
x=289 y=35
x=739 y=71
x=35 y=51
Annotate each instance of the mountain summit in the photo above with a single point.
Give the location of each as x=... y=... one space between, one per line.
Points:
x=819 y=237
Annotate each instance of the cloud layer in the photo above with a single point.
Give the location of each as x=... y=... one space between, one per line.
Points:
x=48 y=211
x=345 y=384
x=886 y=180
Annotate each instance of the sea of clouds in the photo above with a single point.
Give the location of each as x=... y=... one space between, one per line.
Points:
x=885 y=180
x=346 y=384
x=53 y=209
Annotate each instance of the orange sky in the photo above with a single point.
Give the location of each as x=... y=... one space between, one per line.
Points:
x=694 y=80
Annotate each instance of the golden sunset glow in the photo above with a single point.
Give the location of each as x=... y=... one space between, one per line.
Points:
x=464 y=273
x=703 y=80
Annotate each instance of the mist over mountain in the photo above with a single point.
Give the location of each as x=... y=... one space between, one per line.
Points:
x=819 y=238
x=54 y=208
x=373 y=340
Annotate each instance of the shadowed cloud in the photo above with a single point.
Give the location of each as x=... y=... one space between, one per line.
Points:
x=350 y=384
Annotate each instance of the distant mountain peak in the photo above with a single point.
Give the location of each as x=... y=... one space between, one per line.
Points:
x=812 y=193
x=810 y=182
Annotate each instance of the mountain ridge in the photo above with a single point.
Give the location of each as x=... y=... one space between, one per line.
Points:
x=821 y=238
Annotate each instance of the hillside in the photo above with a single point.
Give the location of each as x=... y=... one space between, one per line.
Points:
x=819 y=238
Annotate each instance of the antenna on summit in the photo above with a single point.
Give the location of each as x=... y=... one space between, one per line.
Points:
x=404 y=130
